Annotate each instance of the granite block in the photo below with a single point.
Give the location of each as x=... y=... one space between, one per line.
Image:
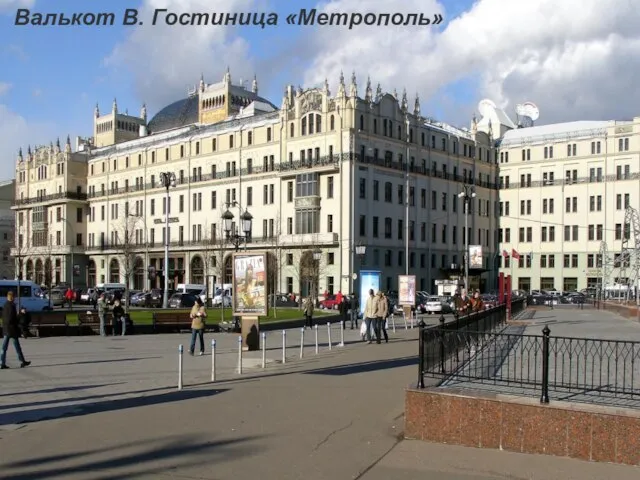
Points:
x=534 y=425
x=579 y=435
x=452 y=411
x=512 y=424
x=603 y=438
x=628 y=440
x=413 y=408
x=470 y=424
x=554 y=431
x=491 y=421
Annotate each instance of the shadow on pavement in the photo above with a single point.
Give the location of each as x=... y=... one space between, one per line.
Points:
x=61 y=389
x=80 y=399
x=364 y=367
x=91 y=362
x=68 y=411
x=132 y=460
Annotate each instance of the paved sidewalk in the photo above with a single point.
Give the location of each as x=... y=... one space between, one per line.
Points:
x=116 y=414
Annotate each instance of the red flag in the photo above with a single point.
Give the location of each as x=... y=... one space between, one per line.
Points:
x=505 y=254
x=514 y=254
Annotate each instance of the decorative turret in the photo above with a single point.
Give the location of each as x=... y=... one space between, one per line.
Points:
x=285 y=99
x=114 y=107
x=416 y=106
x=20 y=155
x=202 y=85
x=299 y=90
x=395 y=94
x=58 y=145
x=353 y=88
x=405 y=103
x=378 y=92
x=326 y=87
x=97 y=111
x=67 y=146
x=474 y=124
x=254 y=85
x=369 y=92
x=227 y=77
x=143 y=112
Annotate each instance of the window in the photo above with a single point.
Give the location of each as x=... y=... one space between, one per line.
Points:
x=387 y=228
x=307 y=185
x=289 y=191
x=330 y=187
x=363 y=188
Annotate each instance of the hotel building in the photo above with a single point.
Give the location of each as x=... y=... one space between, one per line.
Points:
x=321 y=175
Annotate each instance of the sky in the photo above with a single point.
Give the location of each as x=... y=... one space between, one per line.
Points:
x=575 y=59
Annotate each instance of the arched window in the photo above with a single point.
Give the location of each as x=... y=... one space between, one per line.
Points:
x=114 y=271
x=332 y=123
x=318 y=123
x=304 y=126
x=291 y=130
x=361 y=122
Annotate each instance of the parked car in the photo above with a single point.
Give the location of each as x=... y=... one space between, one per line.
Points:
x=56 y=295
x=329 y=303
x=182 y=300
x=490 y=301
x=433 y=305
x=281 y=300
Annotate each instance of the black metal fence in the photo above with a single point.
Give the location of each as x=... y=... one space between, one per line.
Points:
x=576 y=368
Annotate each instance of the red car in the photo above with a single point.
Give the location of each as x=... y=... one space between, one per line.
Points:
x=330 y=303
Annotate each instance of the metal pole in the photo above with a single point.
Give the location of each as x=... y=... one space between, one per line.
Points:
x=466 y=242
x=165 y=295
x=315 y=328
x=393 y=322
x=302 y=342
x=329 y=334
x=213 y=360
x=180 y=369
x=421 y=327
x=284 y=346
x=264 y=349
x=406 y=208
x=544 y=397
x=240 y=354
x=341 y=344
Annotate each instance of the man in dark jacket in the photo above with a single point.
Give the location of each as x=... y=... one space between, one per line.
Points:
x=11 y=331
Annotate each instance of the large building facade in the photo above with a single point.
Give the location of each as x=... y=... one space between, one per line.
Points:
x=321 y=175
x=569 y=197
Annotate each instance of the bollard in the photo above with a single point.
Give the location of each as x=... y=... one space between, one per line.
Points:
x=264 y=349
x=341 y=344
x=240 y=354
x=316 y=330
x=213 y=360
x=180 y=352
x=302 y=342
x=414 y=316
x=393 y=322
x=329 y=333
x=284 y=346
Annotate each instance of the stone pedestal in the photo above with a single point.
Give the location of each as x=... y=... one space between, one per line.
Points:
x=407 y=312
x=250 y=333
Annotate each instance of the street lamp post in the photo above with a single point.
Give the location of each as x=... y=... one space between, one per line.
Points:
x=406 y=207
x=168 y=180
x=232 y=235
x=71 y=246
x=234 y=238
x=317 y=256
x=468 y=194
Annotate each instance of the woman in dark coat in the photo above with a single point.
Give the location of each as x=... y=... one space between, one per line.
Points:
x=11 y=331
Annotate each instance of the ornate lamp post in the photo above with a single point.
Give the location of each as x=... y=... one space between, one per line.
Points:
x=468 y=195
x=168 y=180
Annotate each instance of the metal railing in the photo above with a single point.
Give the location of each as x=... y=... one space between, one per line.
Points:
x=580 y=369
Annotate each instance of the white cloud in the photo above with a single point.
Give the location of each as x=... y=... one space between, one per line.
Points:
x=576 y=59
x=166 y=60
x=10 y=6
x=4 y=88
x=37 y=92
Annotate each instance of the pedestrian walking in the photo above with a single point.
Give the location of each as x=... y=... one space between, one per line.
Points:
x=118 y=317
x=477 y=305
x=198 y=316
x=370 y=311
x=102 y=310
x=344 y=311
x=384 y=311
x=308 y=312
x=11 y=332
x=355 y=309
x=68 y=296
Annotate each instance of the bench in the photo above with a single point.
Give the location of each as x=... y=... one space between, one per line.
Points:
x=171 y=321
x=48 y=322
x=91 y=321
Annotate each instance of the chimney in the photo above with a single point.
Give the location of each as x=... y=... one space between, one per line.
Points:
x=143 y=131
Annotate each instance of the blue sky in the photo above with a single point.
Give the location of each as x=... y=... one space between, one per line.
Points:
x=51 y=77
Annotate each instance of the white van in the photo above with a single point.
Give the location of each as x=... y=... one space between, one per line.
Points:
x=30 y=295
x=106 y=287
x=222 y=295
x=194 y=289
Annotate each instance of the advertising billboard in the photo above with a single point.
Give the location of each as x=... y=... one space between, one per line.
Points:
x=369 y=280
x=407 y=290
x=475 y=256
x=250 y=284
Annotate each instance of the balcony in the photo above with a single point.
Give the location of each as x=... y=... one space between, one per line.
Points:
x=50 y=198
x=308 y=239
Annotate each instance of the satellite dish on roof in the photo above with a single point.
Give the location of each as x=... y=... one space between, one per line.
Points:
x=531 y=110
x=486 y=107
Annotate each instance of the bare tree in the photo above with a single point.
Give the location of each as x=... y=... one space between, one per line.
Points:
x=213 y=250
x=48 y=266
x=127 y=249
x=20 y=250
x=308 y=268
